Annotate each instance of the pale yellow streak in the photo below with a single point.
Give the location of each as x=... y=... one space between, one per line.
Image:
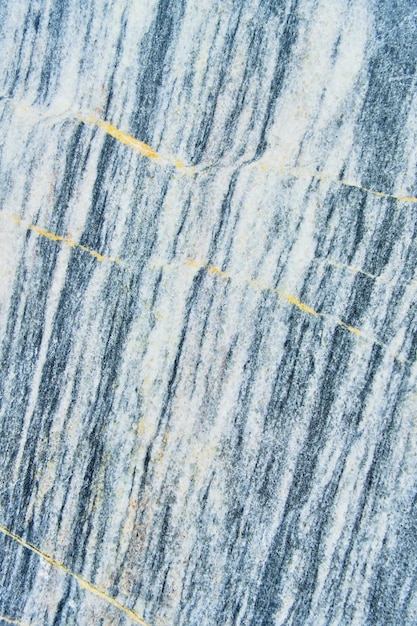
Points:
x=136 y=144
x=351 y=329
x=211 y=269
x=84 y=584
x=293 y=300
x=350 y=268
x=296 y=302
x=58 y=238
x=148 y=151
x=194 y=263
x=11 y=621
x=346 y=183
x=215 y=270
x=302 y=172
x=379 y=194
x=121 y=136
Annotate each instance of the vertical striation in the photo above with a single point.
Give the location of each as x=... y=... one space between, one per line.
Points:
x=208 y=213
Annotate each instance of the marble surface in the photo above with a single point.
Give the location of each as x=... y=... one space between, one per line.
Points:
x=208 y=217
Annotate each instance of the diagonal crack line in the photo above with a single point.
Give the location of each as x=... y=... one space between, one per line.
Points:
x=147 y=151
x=73 y=244
x=293 y=300
x=57 y=238
x=304 y=172
x=295 y=172
x=9 y=620
x=136 y=144
x=211 y=269
x=68 y=241
x=84 y=584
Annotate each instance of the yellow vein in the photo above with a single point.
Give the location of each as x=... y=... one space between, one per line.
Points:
x=66 y=240
x=11 y=621
x=136 y=144
x=147 y=151
x=58 y=238
x=84 y=584
x=211 y=269
x=297 y=172
x=301 y=172
x=350 y=268
x=380 y=278
x=293 y=300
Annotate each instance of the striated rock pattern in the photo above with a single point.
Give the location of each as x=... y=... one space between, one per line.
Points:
x=208 y=329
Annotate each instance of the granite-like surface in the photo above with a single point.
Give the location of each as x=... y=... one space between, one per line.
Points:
x=208 y=325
